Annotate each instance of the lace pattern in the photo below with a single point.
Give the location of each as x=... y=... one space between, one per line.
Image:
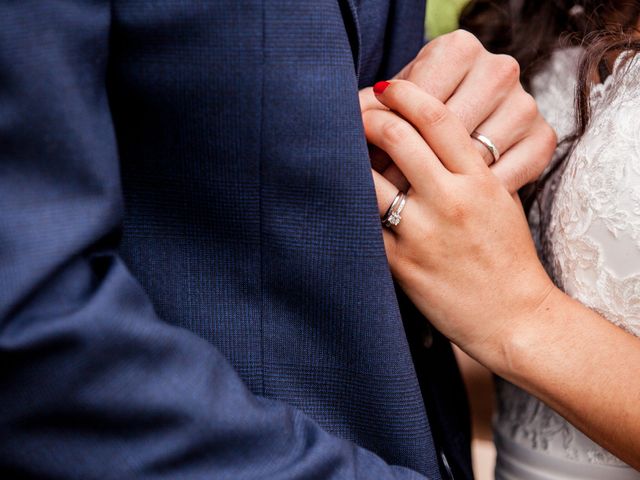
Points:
x=588 y=234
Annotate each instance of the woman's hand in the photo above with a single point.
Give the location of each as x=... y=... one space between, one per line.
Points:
x=462 y=251
x=464 y=254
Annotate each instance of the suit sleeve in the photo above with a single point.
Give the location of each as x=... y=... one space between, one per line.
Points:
x=92 y=384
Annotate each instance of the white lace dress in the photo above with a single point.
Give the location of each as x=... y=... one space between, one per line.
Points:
x=588 y=236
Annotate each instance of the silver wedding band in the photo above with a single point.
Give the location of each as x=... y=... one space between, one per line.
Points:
x=392 y=217
x=487 y=142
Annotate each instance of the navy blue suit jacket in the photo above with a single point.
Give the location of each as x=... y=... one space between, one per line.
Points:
x=193 y=283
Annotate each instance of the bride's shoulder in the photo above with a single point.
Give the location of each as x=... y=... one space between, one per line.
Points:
x=615 y=110
x=622 y=87
x=626 y=68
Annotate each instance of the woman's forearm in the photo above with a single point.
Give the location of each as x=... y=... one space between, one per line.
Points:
x=464 y=254
x=581 y=365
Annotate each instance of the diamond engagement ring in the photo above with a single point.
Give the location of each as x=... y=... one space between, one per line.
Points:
x=392 y=217
x=487 y=142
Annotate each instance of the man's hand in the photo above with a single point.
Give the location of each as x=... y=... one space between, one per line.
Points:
x=483 y=90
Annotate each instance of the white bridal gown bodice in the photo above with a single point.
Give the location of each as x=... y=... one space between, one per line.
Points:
x=587 y=230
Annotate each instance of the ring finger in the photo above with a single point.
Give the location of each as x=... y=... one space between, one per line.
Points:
x=386 y=194
x=508 y=125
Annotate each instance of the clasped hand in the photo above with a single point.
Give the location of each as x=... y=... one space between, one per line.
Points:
x=463 y=251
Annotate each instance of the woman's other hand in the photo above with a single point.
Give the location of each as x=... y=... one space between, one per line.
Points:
x=462 y=251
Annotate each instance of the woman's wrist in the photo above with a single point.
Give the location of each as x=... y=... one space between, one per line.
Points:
x=513 y=348
x=523 y=345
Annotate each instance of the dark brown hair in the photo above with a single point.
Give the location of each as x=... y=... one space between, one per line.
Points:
x=530 y=30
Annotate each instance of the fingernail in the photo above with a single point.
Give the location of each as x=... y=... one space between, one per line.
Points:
x=380 y=87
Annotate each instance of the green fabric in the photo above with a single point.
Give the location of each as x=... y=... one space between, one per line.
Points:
x=442 y=16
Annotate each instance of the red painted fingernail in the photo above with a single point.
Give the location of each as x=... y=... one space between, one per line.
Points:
x=380 y=87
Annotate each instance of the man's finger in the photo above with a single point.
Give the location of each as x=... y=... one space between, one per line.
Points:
x=525 y=162
x=443 y=63
x=509 y=124
x=484 y=89
x=368 y=100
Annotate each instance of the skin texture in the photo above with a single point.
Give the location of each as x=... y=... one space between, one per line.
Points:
x=464 y=255
x=483 y=90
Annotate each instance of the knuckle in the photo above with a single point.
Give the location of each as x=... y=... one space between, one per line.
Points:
x=464 y=43
x=427 y=46
x=465 y=39
x=506 y=68
x=432 y=45
x=529 y=106
x=394 y=132
x=549 y=138
x=424 y=57
x=524 y=109
x=424 y=51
